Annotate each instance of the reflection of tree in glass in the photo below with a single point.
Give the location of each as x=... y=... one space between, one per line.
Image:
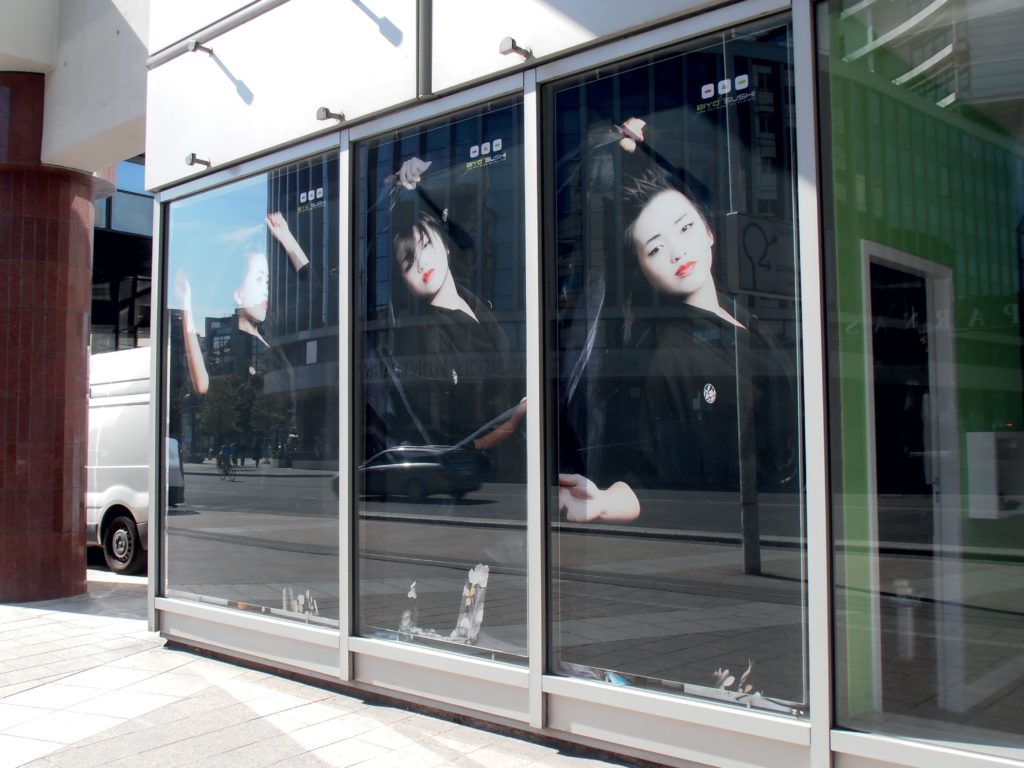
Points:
x=269 y=413
x=237 y=409
x=221 y=409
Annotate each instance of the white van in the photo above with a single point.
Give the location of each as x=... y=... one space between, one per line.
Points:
x=117 y=483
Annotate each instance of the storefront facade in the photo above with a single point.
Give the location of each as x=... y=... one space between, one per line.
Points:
x=649 y=381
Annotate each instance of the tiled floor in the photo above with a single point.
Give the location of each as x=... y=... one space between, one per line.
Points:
x=83 y=684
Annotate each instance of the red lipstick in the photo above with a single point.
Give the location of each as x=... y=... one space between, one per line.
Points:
x=427 y=275
x=685 y=268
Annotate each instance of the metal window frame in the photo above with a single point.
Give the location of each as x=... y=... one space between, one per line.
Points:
x=779 y=740
x=577 y=709
x=291 y=645
x=417 y=671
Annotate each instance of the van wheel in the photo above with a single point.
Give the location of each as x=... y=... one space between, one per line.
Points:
x=122 y=548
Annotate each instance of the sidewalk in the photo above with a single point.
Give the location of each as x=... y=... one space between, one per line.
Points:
x=83 y=684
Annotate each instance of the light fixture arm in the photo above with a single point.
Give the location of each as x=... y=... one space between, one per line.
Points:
x=508 y=45
x=192 y=159
x=194 y=45
x=325 y=113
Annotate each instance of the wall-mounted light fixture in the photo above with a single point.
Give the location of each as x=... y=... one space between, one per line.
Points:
x=324 y=113
x=193 y=46
x=192 y=159
x=508 y=45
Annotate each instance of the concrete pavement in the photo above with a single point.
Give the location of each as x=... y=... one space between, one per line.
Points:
x=83 y=683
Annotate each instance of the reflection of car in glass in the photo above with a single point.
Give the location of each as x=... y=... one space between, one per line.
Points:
x=418 y=471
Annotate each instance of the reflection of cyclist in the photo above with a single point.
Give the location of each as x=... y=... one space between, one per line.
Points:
x=224 y=456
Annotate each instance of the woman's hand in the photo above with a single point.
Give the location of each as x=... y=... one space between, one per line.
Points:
x=182 y=291
x=583 y=502
x=182 y=298
x=632 y=132
x=411 y=172
x=279 y=229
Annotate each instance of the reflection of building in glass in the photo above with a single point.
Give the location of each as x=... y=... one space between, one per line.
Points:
x=122 y=256
x=272 y=387
x=302 y=327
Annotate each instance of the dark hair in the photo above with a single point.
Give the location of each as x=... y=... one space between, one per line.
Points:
x=409 y=226
x=641 y=189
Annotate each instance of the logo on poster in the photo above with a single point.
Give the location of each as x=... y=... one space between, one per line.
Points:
x=725 y=93
x=486 y=153
x=311 y=199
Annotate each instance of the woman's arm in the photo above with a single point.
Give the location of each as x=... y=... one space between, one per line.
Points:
x=279 y=229
x=501 y=432
x=583 y=502
x=193 y=353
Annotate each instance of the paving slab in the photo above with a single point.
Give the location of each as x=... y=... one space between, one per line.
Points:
x=84 y=684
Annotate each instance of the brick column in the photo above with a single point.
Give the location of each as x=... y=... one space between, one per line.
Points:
x=46 y=219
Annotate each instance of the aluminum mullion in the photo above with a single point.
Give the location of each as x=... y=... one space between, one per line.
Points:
x=156 y=386
x=535 y=561
x=819 y=585
x=346 y=491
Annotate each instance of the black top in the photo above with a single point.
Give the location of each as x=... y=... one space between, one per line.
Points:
x=709 y=384
x=448 y=375
x=679 y=411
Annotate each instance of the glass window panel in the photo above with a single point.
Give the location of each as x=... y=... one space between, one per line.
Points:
x=924 y=210
x=440 y=472
x=252 y=273
x=676 y=536
x=131 y=176
x=131 y=213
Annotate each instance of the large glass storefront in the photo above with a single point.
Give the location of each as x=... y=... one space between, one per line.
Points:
x=350 y=329
x=922 y=118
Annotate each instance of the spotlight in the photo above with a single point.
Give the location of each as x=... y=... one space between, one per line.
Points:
x=193 y=46
x=192 y=159
x=324 y=113
x=508 y=45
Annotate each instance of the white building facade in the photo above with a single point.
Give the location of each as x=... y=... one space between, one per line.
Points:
x=643 y=375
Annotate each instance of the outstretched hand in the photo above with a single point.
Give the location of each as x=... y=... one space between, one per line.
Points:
x=411 y=172
x=577 y=497
x=278 y=226
x=583 y=502
x=182 y=291
x=632 y=132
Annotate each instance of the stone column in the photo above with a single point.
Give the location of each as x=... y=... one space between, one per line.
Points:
x=46 y=220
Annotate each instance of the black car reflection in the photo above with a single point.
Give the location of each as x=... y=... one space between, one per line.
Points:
x=419 y=471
